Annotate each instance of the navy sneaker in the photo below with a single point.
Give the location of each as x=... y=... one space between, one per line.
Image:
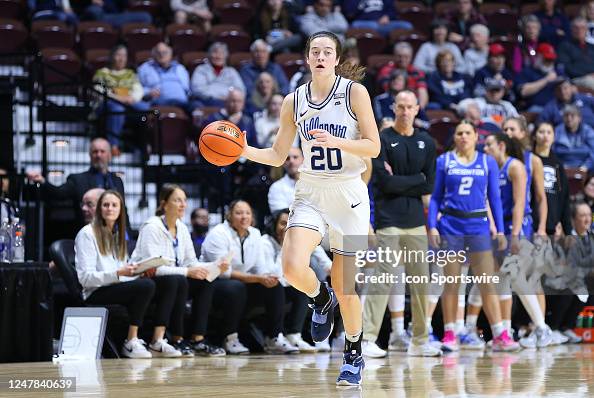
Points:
x=351 y=370
x=322 y=319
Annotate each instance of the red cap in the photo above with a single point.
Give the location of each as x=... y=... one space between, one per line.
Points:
x=496 y=49
x=547 y=51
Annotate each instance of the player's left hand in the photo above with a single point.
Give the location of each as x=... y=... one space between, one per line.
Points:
x=324 y=139
x=501 y=242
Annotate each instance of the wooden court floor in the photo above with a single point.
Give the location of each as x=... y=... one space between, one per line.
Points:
x=562 y=371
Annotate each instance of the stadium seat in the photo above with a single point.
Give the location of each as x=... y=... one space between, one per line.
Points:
x=52 y=34
x=175 y=128
x=376 y=61
x=441 y=114
x=492 y=7
x=141 y=57
x=192 y=59
x=96 y=59
x=140 y=36
x=572 y=10
x=65 y=61
x=237 y=60
x=529 y=8
x=153 y=7
x=443 y=8
x=420 y=18
x=13 y=36
x=405 y=5
x=576 y=179
x=502 y=22
x=412 y=37
x=184 y=37
x=94 y=34
x=369 y=42
x=220 y=28
x=236 y=40
x=11 y=9
x=290 y=62
x=441 y=130
x=234 y=13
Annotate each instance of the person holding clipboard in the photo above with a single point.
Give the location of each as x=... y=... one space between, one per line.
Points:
x=107 y=277
x=165 y=235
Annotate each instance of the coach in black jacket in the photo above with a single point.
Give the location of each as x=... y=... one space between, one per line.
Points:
x=402 y=174
x=98 y=176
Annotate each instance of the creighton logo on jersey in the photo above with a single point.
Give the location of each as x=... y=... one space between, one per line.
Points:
x=336 y=117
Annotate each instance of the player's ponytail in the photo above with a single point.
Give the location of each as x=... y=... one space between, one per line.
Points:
x=347 y=70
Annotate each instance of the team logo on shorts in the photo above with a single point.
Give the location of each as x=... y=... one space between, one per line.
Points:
x=421 y=144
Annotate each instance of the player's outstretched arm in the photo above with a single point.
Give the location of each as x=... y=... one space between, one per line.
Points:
x=276 y=155
x=369 y=144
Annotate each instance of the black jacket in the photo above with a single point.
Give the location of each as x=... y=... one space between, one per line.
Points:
x=397 y=197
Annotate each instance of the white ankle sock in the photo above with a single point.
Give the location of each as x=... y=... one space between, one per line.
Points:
x=398 y=325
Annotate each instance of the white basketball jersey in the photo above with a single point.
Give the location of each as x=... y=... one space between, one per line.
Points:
x=335 y=115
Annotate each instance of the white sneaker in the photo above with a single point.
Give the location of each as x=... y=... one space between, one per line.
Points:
x=425 y=350
x=323 y=346
x=135 y=348
x=302 y=345
x=233 y=346
x=528 y=341
x=573 y=338
x=371 y=350
x=279 y=345
x=161 y=348
x=544 y=336
x=399 y=342
x=559 y=338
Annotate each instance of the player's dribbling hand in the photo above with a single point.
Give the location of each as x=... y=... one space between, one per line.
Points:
x=434 y=238
x=324 y=139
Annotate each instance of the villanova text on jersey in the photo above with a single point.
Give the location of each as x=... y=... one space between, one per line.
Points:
x=337 y=130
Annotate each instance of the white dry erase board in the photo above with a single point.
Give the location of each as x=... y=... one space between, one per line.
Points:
x=83 y=331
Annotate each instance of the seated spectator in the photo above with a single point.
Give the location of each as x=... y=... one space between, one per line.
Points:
x=574 y=143
x=192 y=11
x=76 y=185
x=123 y=90
x=267 y=122
x=277 y=25
x=566 y=94
x=461 y=21
x=587 y=12
x=403 y=52
x=266 y=86
x=200 y=225
x=446 y=87
x=379 y=15
x=588 y=193
x=52 y=10
x=272 y=243
x=114 y=13
x=212 y=81
x=495 y=68
x=383 y=104
x=166 y=235
x=425 y=58
x=261 y=63
x=525 y=50
x=581 y=252
x=536 y=84
x=247 y=283
x=475 y=57
x=492 y=107
x=323 y=18
x=89 y=203
x=234 y=112
x=483 y=127
x=577 y=55
x=165 y=81
x=554 y=24
x=107 y=277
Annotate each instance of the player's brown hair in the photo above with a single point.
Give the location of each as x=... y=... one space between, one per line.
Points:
x=345 y=69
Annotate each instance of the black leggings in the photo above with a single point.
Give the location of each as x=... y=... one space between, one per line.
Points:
x=201 y=293
x=135 y=295
x=562 y=310
x=230 y=295
x=295 y=319
x=170 y=299
x=273 y=299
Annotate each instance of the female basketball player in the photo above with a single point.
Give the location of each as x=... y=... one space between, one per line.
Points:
x=465 y=179
x=334 y=119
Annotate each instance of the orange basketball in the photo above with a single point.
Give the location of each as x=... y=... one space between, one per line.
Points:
x=221 y=143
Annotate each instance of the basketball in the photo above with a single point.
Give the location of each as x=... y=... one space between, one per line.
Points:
x=221 y=143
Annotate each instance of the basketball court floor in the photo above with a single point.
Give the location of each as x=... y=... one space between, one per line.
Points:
x=562 y=371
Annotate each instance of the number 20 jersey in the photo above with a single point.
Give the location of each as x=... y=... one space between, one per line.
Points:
x=335 y=115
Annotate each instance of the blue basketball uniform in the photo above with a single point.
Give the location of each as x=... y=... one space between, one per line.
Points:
x=507 y=201
x=460 y=194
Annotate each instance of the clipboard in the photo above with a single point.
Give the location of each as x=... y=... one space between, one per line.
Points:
x=150 y=263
